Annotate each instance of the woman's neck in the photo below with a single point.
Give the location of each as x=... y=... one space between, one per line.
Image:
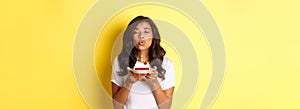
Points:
x=143 y=56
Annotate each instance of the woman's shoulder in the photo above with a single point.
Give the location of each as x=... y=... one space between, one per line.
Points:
x=167 y=61
x=115 y=61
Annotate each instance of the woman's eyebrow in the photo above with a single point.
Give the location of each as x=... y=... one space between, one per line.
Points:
x=147 y=28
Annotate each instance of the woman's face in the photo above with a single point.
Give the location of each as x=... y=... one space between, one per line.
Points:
x=142 y=36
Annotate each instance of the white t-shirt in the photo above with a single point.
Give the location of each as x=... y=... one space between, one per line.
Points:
x=141 y=96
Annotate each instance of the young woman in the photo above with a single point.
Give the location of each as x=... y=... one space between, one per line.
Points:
x=131 y=90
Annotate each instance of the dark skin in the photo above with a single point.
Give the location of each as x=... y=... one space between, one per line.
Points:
x=163 y=97
x=142 y=38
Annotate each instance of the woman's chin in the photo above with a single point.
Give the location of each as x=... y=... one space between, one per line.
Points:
x=141 y=48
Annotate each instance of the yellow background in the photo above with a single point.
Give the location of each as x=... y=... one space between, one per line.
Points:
x=261 y=39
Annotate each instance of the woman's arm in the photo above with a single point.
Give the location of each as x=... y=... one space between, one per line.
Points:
x=120 y=94
x=163 y=97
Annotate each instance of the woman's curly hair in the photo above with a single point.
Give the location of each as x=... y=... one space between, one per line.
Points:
x=128 y=55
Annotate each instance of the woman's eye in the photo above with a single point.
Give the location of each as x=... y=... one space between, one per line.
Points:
x=135 y=32
x=147 y=32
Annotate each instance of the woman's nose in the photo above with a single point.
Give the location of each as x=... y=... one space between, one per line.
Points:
x=141 y=35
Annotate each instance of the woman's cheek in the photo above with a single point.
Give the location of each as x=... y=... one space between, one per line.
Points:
x=135 y=40
x=149 y=42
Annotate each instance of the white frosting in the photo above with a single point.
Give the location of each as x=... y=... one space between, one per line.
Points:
x=141 y=68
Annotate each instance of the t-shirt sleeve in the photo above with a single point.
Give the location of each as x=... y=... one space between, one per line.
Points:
x=169 y=75
x=115 y=78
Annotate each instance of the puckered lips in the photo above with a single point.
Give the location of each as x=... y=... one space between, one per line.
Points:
x=142 y=43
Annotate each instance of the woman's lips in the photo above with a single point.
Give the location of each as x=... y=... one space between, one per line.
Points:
x=142 y=42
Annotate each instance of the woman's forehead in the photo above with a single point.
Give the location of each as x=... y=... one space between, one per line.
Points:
x=143 y=25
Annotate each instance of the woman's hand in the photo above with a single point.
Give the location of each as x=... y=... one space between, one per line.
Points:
x=120 y=94
x=130 y=78
x=162 y=97
x=152 y=79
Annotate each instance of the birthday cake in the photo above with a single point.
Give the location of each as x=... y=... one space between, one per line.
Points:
x=141 y=68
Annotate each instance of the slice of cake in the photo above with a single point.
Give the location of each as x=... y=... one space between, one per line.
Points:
x=142 y=68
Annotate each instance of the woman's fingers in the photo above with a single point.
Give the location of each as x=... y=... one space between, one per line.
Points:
x=151 y=76
x=131 y=75
x=153 y=73
x=148 y=76
x=154 y=68
x=130 y=69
